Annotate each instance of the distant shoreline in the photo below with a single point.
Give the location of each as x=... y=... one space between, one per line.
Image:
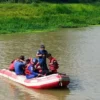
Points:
x=41 y=17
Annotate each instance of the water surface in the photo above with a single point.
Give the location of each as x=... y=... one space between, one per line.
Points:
x=78 y=53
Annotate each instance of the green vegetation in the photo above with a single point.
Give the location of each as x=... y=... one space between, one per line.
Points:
x=56 y=1
x=28 y=18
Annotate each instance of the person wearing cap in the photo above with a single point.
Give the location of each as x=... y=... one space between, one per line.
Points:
x=41 y=54
x=53 y=64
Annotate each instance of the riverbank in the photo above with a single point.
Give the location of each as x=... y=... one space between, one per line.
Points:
x=28 y=18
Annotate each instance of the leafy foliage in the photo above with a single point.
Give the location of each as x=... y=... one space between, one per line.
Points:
x=46 y=16
x=57 y=1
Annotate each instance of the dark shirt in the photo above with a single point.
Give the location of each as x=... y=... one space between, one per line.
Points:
x=42 y=52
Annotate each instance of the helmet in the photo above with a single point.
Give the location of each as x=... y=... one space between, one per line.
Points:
x=35 y=60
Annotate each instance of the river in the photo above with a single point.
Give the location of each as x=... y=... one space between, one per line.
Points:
x=77 y=51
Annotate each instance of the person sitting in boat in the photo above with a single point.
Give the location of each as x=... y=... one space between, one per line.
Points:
x=37 y=66
x=41 y=54
x=19 y=65
x=30 y=69
x=53 y=64
x=11 y=66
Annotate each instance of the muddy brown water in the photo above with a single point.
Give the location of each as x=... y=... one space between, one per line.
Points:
x=77 y=51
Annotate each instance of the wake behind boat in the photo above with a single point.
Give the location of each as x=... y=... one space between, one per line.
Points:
x=50 y=81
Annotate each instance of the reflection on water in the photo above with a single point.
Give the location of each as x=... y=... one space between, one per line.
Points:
x=20 y=92
x=77 y=51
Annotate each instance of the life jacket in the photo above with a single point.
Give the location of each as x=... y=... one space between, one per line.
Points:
x=27 y=71
x=11 y=66
x=31 y=62
x=38 y=68
x=53 y=64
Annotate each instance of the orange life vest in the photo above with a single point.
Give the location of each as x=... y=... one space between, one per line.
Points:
x=11 y=66
x=53 y=64
x=27 y=71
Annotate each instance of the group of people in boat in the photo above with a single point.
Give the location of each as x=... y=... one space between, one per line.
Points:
x=35 y=67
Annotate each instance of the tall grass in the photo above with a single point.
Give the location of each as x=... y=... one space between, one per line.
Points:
x=45 y=17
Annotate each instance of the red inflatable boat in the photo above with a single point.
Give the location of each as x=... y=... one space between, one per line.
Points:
x=50 y=81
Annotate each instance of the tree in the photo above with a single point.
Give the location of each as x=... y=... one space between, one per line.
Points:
x=16 y=1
